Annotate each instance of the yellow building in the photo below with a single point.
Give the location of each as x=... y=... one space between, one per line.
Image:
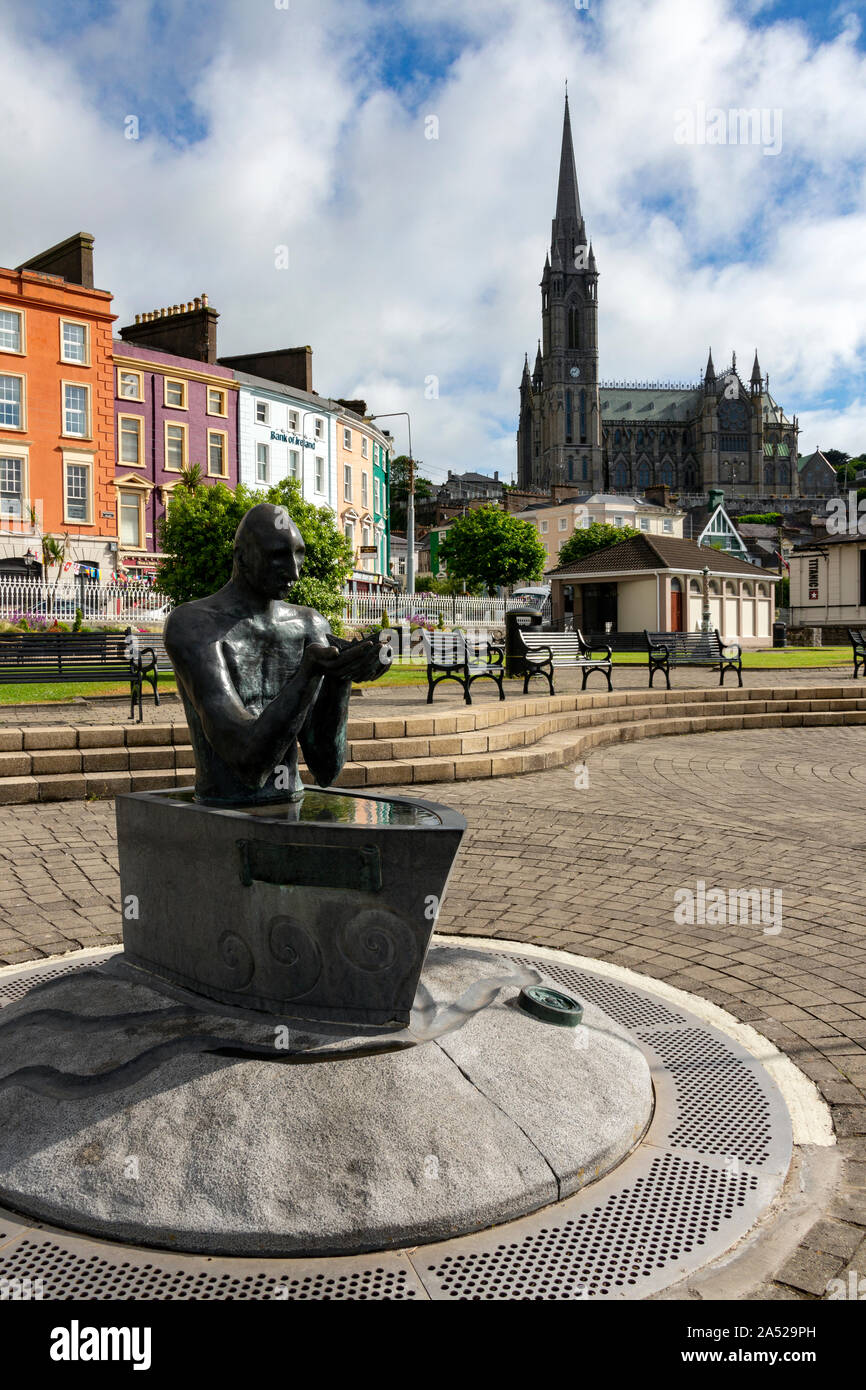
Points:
x=556 y=521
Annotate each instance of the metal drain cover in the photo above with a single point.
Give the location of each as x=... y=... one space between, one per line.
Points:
x=713 y=1159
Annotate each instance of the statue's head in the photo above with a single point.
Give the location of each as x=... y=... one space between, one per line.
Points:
x=268 y=550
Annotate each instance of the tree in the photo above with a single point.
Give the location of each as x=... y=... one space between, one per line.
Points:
x=398 y=490
x=598 y=536
x=197 y=532
x=490 y=547
x=836 y=457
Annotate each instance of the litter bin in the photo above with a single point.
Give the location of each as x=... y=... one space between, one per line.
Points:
x=516 y=619
x=780 y=634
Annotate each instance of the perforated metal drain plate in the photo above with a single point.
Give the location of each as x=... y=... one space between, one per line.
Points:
x=714 y=1158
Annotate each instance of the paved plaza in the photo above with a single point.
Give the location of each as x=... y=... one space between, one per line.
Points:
x=588 y=860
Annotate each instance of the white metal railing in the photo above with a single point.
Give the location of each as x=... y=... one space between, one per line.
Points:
x=39 y=600
x=368 y=608
x=110 y=603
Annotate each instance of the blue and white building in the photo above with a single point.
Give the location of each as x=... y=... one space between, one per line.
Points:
x=284 y=432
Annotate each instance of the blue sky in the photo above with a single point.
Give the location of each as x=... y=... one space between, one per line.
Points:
x=412 y=257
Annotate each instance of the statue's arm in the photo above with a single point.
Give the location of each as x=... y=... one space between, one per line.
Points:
x=251 y=745
x=322 y=737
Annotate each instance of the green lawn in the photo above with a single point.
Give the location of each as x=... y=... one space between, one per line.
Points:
x=48 y=693
x=787 y=658
x=777 y=659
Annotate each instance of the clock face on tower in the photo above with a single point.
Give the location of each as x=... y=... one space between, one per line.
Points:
x=575 y=371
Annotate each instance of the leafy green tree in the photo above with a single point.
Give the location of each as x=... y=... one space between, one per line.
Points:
x=760 y=519
x=195 y=536
x=197 y=532
x=328 y=561
x=837 y=458
x=398 y=489
x=598 y=536
x=454 y=587
x=489 y=547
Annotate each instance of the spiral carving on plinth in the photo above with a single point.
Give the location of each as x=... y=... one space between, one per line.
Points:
x=295 y=948
x=236 y=956
x=373 y=940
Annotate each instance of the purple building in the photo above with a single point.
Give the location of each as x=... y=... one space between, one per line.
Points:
x=174 y=407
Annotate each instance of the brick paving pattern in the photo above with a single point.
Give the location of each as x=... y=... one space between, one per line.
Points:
x=594 y=871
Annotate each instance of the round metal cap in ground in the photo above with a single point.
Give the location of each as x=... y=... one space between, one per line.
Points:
x=551 y=1006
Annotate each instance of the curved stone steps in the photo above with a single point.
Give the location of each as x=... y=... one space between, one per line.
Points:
x=526 y=734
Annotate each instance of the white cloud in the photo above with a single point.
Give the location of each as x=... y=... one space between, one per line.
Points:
x=412 y=257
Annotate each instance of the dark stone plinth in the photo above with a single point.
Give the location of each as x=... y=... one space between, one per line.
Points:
x=320 y=909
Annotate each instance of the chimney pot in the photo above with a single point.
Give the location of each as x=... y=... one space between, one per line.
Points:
x=198 y=301
x=204 y=300
x=138 y=318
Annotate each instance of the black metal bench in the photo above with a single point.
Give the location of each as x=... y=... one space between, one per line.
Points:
x=452 y=656
x=667 y=649
x=52 y=658
x=857 y=636
x=542 y=651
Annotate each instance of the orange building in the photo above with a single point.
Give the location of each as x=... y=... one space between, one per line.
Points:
x=56 y=413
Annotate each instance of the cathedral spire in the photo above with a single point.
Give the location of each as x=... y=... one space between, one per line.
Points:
x=567 y=196
x=709 y=374
x=756 y=371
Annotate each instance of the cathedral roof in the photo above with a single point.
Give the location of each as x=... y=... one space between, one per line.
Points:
x=652 y=553
x=649 y=403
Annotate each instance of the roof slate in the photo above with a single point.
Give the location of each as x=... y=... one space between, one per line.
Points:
x=647 y=552
x=637 y=403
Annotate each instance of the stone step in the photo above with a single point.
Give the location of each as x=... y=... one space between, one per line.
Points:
x=432 y=723
x=535 y=735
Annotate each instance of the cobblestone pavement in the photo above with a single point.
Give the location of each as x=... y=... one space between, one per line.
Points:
x=594 y=870
x=375 y=700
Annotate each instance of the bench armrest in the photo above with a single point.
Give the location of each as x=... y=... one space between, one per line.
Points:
x=588 y=651
x=537 y=655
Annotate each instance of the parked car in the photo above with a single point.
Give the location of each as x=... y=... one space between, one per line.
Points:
x=532 y=596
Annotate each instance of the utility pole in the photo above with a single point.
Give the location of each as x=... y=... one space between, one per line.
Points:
x=410 y=529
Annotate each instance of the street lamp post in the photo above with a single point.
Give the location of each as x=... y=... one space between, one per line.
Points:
x=410 y=500
x=705 y=591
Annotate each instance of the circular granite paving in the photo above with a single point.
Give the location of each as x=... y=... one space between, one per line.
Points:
x=590 y=862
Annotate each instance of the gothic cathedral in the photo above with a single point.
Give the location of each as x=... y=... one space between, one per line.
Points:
x=627 y=436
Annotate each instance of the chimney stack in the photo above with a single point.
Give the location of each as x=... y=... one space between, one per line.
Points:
x=288 y=366
x=187 y=330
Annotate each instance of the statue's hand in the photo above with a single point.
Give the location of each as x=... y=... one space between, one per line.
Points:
x=356 y=661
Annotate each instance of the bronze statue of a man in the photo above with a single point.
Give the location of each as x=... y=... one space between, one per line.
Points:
x=258 y=675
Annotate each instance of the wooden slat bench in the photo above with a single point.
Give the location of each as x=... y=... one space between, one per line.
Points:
x=452 y=656
x=667 y=649
x=542 y=651
x=48 y=658
x=857 y=636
